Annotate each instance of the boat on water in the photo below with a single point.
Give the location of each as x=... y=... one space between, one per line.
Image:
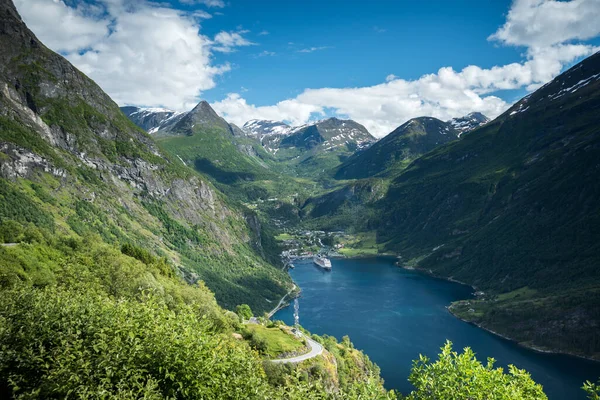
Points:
x=322 y=261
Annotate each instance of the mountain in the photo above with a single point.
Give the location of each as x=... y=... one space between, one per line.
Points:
x=407 y=142
x=265 y=128
x=331 y=133
x=310 y=149
x=469 y=122
x=151 y=119
x=200 y=117
x=234 y=159
x=514 y=209
x=202 y=139
x=73 y=165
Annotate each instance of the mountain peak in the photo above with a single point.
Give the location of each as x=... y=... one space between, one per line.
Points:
x=477 y=115
x=201 y=116
x=203 y=107
x=468 y=122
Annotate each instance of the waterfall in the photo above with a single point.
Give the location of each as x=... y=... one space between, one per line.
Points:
x=296 y=312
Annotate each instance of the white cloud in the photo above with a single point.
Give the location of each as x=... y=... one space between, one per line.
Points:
x=380 y=108
x=61 y=27
x=263 y=33
x=141 y=53
x=226 y=42
x=540 y=23
x=200 y=14
x=237 y=110
x=548 y=29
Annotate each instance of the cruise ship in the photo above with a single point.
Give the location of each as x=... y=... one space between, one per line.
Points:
x=322 y=262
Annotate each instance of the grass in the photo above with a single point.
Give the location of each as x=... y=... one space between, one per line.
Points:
x=277 y=340
x=360 y=252
x=359 y=245
x=284 y=236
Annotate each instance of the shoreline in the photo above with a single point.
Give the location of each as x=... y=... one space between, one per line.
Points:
x=521 y=344
x=282 y=303
x=481 y=326
x=449 y=309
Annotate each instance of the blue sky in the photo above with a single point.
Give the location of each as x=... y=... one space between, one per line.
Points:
x=365 y=42
x=377 y=62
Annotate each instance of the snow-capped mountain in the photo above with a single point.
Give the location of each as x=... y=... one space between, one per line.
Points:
x=161 y=121
x=468 y=122
x=152 y=119
x=329 y=134
x=260 y=128
x=410 y=140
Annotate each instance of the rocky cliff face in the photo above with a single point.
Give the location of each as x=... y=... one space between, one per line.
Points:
x=59 y=129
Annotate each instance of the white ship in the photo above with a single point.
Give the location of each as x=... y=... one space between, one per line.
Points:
x=322 y=262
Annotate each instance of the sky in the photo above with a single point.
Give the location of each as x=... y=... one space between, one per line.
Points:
x=377 y=62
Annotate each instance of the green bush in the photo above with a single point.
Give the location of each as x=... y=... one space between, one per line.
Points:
x=56 y=343
x=462 y=376
x=244 y=312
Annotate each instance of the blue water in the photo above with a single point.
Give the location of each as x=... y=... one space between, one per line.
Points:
x=394 y=315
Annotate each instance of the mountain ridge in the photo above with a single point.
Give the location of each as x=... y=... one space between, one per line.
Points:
x=511 y=209
x=410 y=140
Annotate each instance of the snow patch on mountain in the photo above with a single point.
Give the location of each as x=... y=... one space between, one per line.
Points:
x=573 y=88
x=467 y=123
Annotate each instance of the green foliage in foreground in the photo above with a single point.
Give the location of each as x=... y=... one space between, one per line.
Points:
x=462 y=376
x=82 y=318
x=592 y=390
x=56 y=343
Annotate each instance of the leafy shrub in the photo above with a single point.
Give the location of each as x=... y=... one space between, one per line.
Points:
x=462 y=376
x=592 y=390
x=56 y=343
x=244 y=312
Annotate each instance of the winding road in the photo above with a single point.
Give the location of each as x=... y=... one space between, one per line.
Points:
x=315 y=350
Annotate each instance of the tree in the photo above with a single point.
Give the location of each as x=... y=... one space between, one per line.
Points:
x=462 y=376
x=244 y=312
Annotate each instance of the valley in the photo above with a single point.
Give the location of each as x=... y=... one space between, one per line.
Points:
x=458 y=199
x=149 y=252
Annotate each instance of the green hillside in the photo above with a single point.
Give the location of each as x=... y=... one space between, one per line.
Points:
x=314 y=150
x=514 y=205
x=73 y=164
x=395 y=151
